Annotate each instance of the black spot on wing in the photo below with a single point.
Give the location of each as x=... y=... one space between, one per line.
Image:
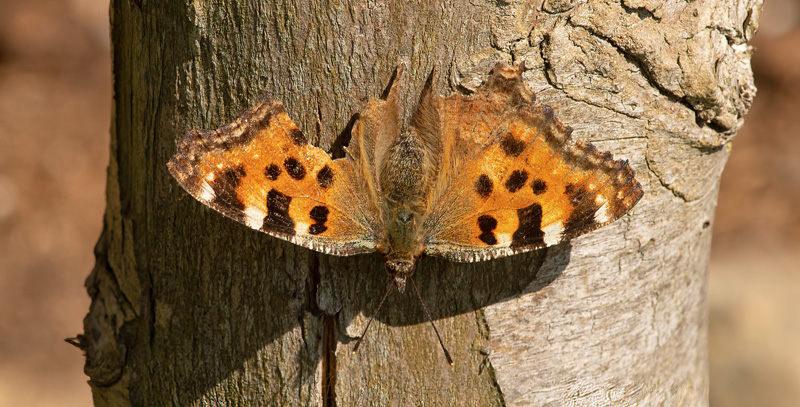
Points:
x=298 y=138
x=233 y=176
x=511 y=145
x=325 y=177
x=583 y=209
x=278 y=218
x=272 y=172
x=575 y=194
x=529 y=232
x=225 y=195
x=539 y=186
x=483 y=186
x=294 y=168
x=487 y=225
x=319 y=214
x=516 y=180
x=316 y=229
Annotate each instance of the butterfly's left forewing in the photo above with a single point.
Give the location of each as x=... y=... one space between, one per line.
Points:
x=261 y=171
x=529 y=188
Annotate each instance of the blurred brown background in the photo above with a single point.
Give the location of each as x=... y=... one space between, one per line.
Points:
x=55 y=94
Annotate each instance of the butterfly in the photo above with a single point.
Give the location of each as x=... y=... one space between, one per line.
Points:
x=466 y=178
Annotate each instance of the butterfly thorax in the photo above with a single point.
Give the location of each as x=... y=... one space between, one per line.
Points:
x=404 y=186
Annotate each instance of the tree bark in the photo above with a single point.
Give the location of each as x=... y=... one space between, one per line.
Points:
x=190 y=308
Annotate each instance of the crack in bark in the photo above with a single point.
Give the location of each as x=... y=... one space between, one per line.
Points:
x=548 y=67
x=663 y=183
x=329 y=342
x=618 y=139
x=329 y=337
x=641 y=12
x=486 y=363
x=639 y=63
x=329 y=361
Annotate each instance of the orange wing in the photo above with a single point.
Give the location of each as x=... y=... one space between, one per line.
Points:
x=530 y=186
x=261 y=171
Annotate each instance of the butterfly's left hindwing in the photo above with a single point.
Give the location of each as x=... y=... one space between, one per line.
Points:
x=261 y=171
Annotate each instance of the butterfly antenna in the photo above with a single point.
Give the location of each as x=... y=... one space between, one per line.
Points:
x=446 y=353
x=360 y=338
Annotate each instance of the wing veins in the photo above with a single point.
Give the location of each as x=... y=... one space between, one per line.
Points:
x=361 y=210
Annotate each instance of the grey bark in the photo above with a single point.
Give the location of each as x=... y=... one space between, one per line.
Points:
x=189 y=308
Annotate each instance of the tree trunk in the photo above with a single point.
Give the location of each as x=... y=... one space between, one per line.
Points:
x=190 y=308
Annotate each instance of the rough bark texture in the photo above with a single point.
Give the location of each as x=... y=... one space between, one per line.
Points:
x=190 y=308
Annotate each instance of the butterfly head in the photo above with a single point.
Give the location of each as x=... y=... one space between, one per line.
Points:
x=401 y=270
